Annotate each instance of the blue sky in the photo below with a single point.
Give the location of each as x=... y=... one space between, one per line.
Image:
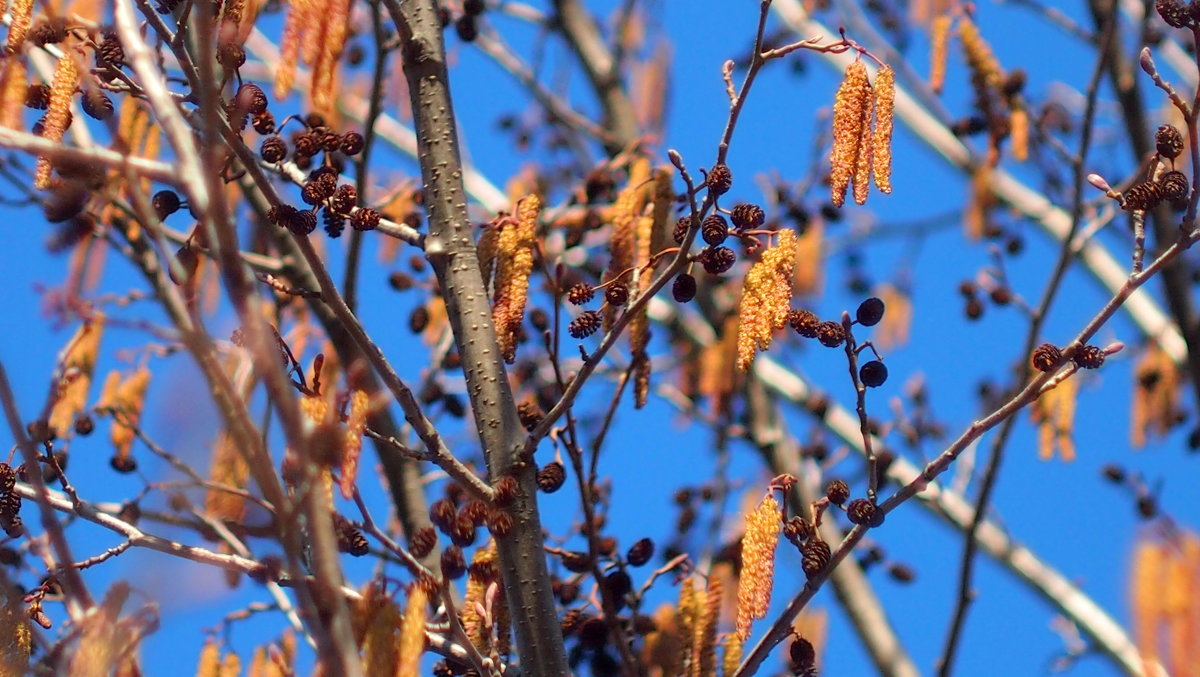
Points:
x=1064 y=512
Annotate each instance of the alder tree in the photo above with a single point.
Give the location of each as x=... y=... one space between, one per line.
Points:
x=245 y=202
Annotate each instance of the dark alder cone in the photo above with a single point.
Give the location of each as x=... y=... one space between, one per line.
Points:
x=683 y=289
x=837 y=492
x=231 y=55
x=475 y=510
x=1168 y=141
x=1113 y=473
x=335 y=223
x=539 y=319
x=863 y=511
x=566 y=591
x=251 y=98
x=314 y=192
x=343 y=199
x=281 y=215
x=797 y=530
x=307 y=144
x=720 y=179
x=500 y=523
x=804 y=322
x=506 y=490
x=1046 y=357
x=418 y=319
x=453 y=563
x=8 y=478
x=349 y=540
x=84 y=425
x=165 y=202
x=365 y=219
x=97 y=104
x=400 y=281
x=473 y=7
x=422 y=542
x=571 y=621
x=65 y=202
x=1173 y=186
x=1089 y=357
x=330 y=140
x=616 y=294
x=973 y=309
x=747 y=216
x=714 y=230
x=870 y=312
x=442 y=513
x=466 y=28
x=598 y=185
x=718 y=260
x=580 y=294
x=830 y=334
x=681 y=226
x=873 y=373
x=585 y=325
x=814 y=556
x=530 y=414
x=263 y=123
x=1143 y=196
x=618 y=584
x=110 y=52
x=484 y=571
x=352 y=143
x=901 y=573
x=462 y=532
x=639 y=553
x=551 y=476
x=576 y=562
x=802 y=657
x=1174 y=12
x=123 y=464
x=303 y=222
x=48 y=32
x=37 y=97
x=593 y=634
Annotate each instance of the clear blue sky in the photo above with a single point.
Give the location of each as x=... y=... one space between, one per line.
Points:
x=1060 y=510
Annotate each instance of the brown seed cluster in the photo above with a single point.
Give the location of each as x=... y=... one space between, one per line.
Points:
x=766 y=295
x=862 y=133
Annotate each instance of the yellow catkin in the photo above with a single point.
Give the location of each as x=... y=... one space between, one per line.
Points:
x=1019 y=133
x=689 y=612
x=893 y=330
x=704 y=644
x=13 y=86
x=100 y=638
x=1054 y=412
x=129 y=399
x=861 y=181
x=1156 y=405
x=1146 y=589
x=377 y=623
x=810 y=253
x=881 y=136
x=228 y=468
x=356 y=425
x=766 y=298
x=79 y=361
x=514 y=264
x=731 y=656
x=622 y=242
x=62 y=88
x=979 y=204
x=758 y=564
x=985 y=69
x=662 y=648
x=412 y=633
x=336 y=22
x=209 y=664
x=22 y=16
x=718 y=371
x=231 y=665
x=851 y=106
x=939 y=41
x=294 y=26
x=16 y=640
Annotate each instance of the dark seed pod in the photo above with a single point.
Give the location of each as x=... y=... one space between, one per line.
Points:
x=473 y=7
x=863 y=511
x=84 y=425
x=251 y=98
x=97 y=104
x=334 y=223
x=1113 y=473
x=797 y=530
x=616 y=294
x=422 y=542
x=804 y=322
x=585 y=325
x=1089 y=357
x=123 y=464
x=500 y=523
x=718 y=260
x=466 y=28
x=37 y=97
x=837 y=492
x=576 y=562
x=109 y=52
x=330 y=140
x=418 y=320
x=814 y=556
x=165 y=202
x=580 y=294
x=681 y=226
x=463 y=531
x=316 y=192
x=720 y=179
x=530 y=414
x=49 y=32
x=973 y=309
x=1143 y=196
x=873 y=373
x=1168 y=141
x=349 y=539
x=901 y=573
x=831 y=334
x=870 y=312
x=263 y=123
x=639 y=553
x=343 y=199
x=8 y=478
x=304 y=222
x=551 y=476
x=1174 y=12
x=484 y=571
x=443 y=513
x=506 y=489
x=683 y=289
x=714 y=230
x=1046 y=357
x=746 y=216
x=1174 y=188
x=365 y=219
x=454 y=565
x=231 y=55
x=802 y=657
x=617 y=585
x=352 y=143
x=307 y=144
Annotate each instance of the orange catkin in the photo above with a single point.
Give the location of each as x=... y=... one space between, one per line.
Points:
x=514 y=261
x=758 y=564
x=852 y=99
x=22 y=15
x=766 y=297
x=881 y=136
x=939 y=34
x=62 y=88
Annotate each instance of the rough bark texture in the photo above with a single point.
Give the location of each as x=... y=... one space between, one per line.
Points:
x=450 y=248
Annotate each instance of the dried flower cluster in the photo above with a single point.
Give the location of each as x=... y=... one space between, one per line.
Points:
x=766 y=295
x=862 y=133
